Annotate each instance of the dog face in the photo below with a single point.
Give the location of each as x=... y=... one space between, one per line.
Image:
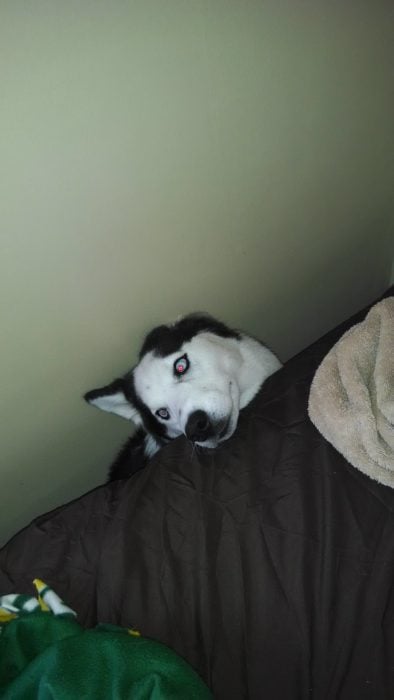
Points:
x=192 y=379
x=192 y=391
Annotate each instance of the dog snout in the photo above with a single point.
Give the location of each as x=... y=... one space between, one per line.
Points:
x=198 y=427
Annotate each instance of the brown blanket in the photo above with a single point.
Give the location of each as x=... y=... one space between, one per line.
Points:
x=351 y=400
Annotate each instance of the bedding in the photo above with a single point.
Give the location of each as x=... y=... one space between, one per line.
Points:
x=45 y=653
x=351 y=400
x=267 y=564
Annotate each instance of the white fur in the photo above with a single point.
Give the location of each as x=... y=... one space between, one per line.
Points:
x=117 y=403
x=223 y=377
x=151 y=446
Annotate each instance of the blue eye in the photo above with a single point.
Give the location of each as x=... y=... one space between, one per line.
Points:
x=163 y=413
x=181 y=365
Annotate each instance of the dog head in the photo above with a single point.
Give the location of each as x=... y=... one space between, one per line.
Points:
x=190 y=379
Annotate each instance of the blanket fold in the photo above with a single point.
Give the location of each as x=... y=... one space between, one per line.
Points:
x=351 y=401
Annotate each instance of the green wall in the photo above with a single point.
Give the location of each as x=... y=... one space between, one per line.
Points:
x=162 y=156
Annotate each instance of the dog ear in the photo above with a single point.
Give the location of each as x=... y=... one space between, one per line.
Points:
x=112 y=398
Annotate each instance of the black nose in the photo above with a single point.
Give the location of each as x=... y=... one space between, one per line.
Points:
x=198 y=426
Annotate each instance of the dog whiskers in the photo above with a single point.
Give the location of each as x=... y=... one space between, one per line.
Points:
x=193 y=444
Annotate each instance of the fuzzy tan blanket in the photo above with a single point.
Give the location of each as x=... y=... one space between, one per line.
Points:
x=351 y=401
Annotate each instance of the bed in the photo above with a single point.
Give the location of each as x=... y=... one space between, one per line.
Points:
x=267 y=564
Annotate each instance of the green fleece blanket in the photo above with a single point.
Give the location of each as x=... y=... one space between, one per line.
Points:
x=46 y=655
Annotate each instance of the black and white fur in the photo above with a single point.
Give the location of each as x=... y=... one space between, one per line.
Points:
x=193 y=377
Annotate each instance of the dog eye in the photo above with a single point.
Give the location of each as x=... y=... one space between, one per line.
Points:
x=163 y=413
x=181 y=365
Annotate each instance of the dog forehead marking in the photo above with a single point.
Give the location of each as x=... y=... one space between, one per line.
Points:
x=151 y=382
x=155 y=370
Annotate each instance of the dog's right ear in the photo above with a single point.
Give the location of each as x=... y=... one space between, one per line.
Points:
x=112 y=398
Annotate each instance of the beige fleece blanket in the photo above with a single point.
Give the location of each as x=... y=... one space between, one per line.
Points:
x=351 y=401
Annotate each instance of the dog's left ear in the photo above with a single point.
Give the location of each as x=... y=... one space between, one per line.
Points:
x=112 y=398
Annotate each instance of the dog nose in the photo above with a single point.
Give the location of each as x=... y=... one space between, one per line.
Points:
x=198 y=427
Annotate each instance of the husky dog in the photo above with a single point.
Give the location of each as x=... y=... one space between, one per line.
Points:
x=192 y=378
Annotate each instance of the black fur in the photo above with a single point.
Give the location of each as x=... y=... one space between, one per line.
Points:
x=164 y=340
x=116 y=386
x=130 y=459
x=151 y=424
